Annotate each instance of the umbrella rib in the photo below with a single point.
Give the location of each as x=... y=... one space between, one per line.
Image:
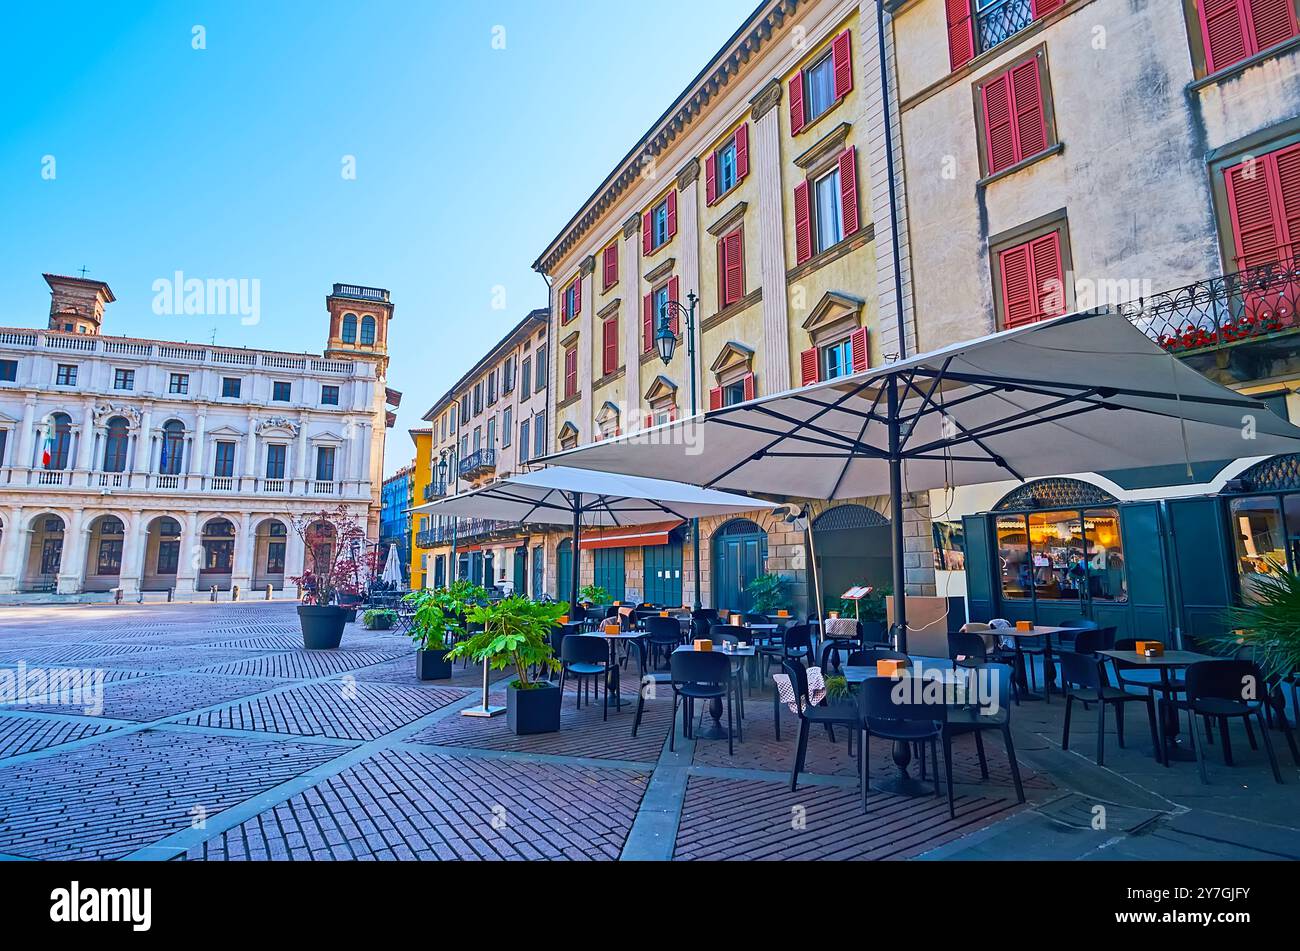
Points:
x=1045 y=387
x=995 y=427
x=840 y=444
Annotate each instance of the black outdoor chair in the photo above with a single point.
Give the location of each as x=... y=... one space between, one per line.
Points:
x=663 y=636
x=921 y=723
x=1084 y=678
x=846 y=715
x=976 y=718
x=1092 y=639
x=586 y=658
x=872 y=632
x=1275 y=705
x=1075 y=624
x=1218 y=690
x=700 y=675
x=832 y=646
x=967 y=650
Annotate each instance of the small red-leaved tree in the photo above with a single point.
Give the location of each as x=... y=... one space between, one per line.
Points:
x=336 y=550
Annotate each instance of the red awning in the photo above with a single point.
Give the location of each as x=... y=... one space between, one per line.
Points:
x=630 y=536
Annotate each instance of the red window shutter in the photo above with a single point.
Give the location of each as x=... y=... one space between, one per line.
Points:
x=1287 y=162
x=611 y=266
x=1259 y=228
x=734 y=245
x=722 y=273
x=564 y=306
x=672 y=413
x=1042 y=8
x=711 y=178
x=673 y=295
x=861 y=350
x=577 y=297
x=796 y=103
x=808 y=366
x=610 y=330
x=672 y=214
x=649 y=420
x=570 y=371
x=648 y=323
x=842 y=64
x=1272 y=22
x=802 y=223
x=1049 y=276
x=715 y=398
x=1224 y=32
x=747 y=382
x=647 y=234
x=961 y=34
x=1027 y=93
x=742 y=151
x=999 y=130
x=1017 y=286
x=849 y=190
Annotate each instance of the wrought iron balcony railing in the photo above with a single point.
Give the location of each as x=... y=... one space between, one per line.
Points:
x=1220 y=311
x=476 y=463
x=1001 y=20
x=435 y=490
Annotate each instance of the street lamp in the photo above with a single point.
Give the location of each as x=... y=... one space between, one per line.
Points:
x=666 y=343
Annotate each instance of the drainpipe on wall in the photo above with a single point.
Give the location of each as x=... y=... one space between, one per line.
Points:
x=893 y=191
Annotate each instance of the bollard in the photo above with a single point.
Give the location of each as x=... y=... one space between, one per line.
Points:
x=268 y=592
x=212 y=595
x=117 y=595
x=171 y=595
x=234 y=592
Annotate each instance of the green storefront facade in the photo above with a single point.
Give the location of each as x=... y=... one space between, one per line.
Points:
x=1053 y=550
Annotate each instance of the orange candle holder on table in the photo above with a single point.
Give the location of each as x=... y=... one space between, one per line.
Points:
x=1150 y=648
x=890 y=667
x=704 y=645
x=663 y=613
x=736 y=619
x=1024 y=625
x=612 y=629
x=564 y=619
x=782 y=612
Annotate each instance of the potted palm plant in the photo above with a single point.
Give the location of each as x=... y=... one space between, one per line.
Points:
x=1268 y=622
x=515 y=633
x=329 y=539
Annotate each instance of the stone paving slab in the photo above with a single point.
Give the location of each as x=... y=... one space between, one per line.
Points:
x=106 y=799
x=341 y=708
x=152 y=698
x=80 y=653
x=301 y=665
x=406 y=805
x=23 y=734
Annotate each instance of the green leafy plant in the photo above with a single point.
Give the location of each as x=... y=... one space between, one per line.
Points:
x=379 y=619
x=837 y=689
x=439 y=614
x=594 y=594
x=870 y=608
x=1270 y=623
x=513 y=634
x=766 y=593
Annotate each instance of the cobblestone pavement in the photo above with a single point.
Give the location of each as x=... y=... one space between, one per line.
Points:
x=219 y=738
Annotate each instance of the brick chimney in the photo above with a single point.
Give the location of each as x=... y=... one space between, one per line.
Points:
x=77 y=303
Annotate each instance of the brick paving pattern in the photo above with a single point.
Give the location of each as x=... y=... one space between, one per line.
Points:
x=20 y=735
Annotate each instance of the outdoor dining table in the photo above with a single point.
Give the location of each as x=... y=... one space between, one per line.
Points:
x=716 y=732
x=613 y=680
x=1166 y=663
x=1020 y=671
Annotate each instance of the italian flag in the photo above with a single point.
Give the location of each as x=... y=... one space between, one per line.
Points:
x=47 y=451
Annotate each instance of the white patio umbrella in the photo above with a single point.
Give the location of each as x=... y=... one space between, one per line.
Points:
x=392 y=568
x=1077 y=393
x=577 y=497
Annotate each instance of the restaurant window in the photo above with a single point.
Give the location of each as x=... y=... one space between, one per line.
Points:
x=1266 y=537
x=1069 y=555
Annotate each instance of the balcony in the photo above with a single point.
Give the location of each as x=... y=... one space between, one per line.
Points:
x=1001 y=20
x=478 y=463
x=435 y=490
x=429 y=538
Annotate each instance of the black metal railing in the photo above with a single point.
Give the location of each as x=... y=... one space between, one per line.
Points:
x=480 y=461
x=1232 y=308
x=1001 y=20
x=435 y=490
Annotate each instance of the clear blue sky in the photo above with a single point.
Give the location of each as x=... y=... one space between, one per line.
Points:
x=226 y=162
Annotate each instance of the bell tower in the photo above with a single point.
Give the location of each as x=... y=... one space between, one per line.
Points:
x=77 y=303
x=359 y=319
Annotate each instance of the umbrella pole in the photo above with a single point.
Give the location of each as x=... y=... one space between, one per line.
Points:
x=577 y=560
x=896 y=519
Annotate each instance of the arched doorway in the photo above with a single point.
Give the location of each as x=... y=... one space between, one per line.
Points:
x=162 y=556
x=521 y=569
x=564 y=570
x=105 y=540
x=44 y=557
x=739 y=556
x=269 y=545
x=218 y=541
x=853 y=547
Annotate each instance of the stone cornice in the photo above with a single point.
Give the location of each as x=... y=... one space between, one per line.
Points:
x=610 y=309
x=587 y=266
x=759 y=30
x=767 y=99
x=735 y=214
x=662 y=270
x=831 y=144
x=632 y=226
x=689 y=175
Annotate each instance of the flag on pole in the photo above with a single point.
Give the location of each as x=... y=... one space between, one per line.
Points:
x=47 y=451
x=162 y=462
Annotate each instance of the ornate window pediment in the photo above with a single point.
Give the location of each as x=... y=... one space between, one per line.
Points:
x=106 y=411
x=734 y=360
x=277 y=423
x=836 y=314
x=568 y=435
x=660 y=390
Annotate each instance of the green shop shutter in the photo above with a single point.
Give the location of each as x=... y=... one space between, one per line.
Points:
x=1150 y=611
x=981 y=581
x=1202 y=567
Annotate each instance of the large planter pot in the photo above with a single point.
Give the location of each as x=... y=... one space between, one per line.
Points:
x=322 y=626
x=432 y=665
x=533 y=711
x=349 y=615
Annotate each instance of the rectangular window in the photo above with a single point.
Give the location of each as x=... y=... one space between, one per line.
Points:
x=837 y=360
x=280 y=391
x=571 y=301
x=124 y=379
x=539 y=435
x=526 y=378
x=1233 y=30
x=218 y=556
x=727 y=168
x=478 y=397
x=816 y=89
x=329 y=395
x=523 y=439
x=110 y=557
x=1264 y=205
x=8 y=371
x=179 y=383
x=507 y=426
x=1014 y=115
x=508 y=376
x=324 y=463
x=1062 y=556
x=731 y=268
x=827 y=211
x=609 y=346
x=570 y=371
x=819 y=88
x=659 y=225
x=275 y=558
x=169 y=556
x=230 y=386
x=609 y=266
x=275 y=457
x=4 y=438
x=491 y=433
x=1031 y=280
x=540 y=371
x=729 y=394
x=478 y=438
x=225 y=464
x=66 y=375
x=492 y=388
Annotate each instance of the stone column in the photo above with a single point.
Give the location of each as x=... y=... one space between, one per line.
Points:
x=144 y=443
x=241 y=572
x=26 y=451
x=72 y=564
x=300 y=470
x=250 y=449
x=688 y=271
x=190 y=557
x=765 y=157
x=629 y=267
x=918 y=545
x=133 y=554
x=198 y=461
x=16 y=540
x=357 y=448
x=86 y=447
x=294 y=554
x=586 y=345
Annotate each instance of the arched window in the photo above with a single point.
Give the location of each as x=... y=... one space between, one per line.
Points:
x=173 y=448
x=58 y=442
x=368 y=330
x=115 y=445
x=168 y=527
x=349 y=328
x=218 y=547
